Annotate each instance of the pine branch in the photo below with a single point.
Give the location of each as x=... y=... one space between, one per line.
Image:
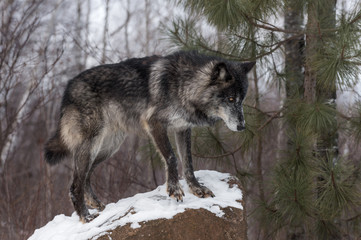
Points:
x=270 y=119
x=199 y=43
x=353 y=218
x=277 y=46
x=268 y=113
x=240 y=147
x=269 y=26
x=295 y=36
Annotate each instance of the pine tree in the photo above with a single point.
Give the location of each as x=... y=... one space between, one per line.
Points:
x=315 y=191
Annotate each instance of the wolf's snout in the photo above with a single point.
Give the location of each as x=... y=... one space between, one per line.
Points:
x=240 y=127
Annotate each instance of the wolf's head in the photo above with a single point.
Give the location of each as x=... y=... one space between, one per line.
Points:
x=226 y=90
x=230 y=98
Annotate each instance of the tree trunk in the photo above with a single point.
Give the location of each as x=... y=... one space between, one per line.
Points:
x=147 y=27
x=328 y=139
x=312 y=35
x=294 y=50
x=327 y=147
x=86 y=37
x=126 y=33
x=78 y=38
x=321 y=15
x=105 y=32
x=294 y=62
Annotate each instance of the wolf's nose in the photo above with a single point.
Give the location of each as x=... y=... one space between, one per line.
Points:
x=240 y=127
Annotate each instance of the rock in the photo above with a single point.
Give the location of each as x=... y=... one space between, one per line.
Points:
x=154 y=215
x=192 y=224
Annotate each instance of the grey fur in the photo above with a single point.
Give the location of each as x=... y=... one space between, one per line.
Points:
x=146 y=96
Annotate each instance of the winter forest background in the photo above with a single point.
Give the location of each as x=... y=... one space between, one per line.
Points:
x=300 y=157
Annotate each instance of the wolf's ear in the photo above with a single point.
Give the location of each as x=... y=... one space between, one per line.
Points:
x=220 y=73
x=247 y=66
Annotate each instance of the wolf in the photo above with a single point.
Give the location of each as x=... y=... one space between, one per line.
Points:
x=146 y=96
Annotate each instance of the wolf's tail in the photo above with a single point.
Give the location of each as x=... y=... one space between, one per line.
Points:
x=55 y=150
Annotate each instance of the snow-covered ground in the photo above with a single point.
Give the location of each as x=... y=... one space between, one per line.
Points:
x=144 y=207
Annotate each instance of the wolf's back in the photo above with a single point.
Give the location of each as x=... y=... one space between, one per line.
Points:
x=55 y=150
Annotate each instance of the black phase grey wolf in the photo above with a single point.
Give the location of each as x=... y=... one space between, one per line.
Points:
x=146 y=96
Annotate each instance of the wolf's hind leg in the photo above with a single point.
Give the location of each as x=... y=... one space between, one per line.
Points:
x=82 y=161
x=183 y=141
x=90 y=198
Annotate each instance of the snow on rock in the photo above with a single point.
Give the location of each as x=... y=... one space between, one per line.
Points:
x=145 y=207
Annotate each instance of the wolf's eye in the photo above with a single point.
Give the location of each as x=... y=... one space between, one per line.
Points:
x=230 y=99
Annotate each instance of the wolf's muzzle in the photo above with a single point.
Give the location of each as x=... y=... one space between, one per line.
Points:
x=240 y=127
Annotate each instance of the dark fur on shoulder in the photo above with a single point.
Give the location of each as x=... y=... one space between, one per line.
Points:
x=146 y=96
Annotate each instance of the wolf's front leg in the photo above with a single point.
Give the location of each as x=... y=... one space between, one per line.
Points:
x=159 y=134
x=183 y=141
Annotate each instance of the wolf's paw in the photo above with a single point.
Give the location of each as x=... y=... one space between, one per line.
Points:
x=101 y=206
x=88 y=218
x=201 y=191
x=175 y=191
x=93 y=202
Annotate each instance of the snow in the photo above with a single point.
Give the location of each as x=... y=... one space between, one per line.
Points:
x=144 y=207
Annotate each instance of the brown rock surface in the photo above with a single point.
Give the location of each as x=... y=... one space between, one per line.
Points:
x=192 y=224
